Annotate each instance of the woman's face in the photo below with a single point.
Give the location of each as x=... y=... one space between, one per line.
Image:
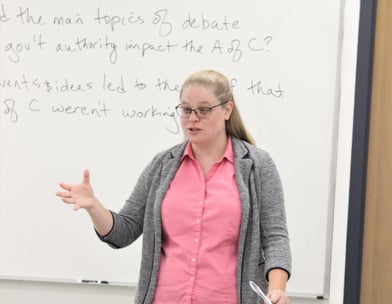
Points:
x=206 y=130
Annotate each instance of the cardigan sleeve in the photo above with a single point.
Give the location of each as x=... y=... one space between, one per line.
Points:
x=274 y=232
x=128 y=221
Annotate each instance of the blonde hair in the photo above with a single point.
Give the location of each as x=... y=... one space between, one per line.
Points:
x=221 y=87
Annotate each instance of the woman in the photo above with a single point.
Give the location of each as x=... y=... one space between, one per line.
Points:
x=210 y=209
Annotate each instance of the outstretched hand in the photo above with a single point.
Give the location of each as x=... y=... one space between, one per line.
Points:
x=80 y=195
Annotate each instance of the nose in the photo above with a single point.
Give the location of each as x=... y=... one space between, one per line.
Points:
x=193 y=115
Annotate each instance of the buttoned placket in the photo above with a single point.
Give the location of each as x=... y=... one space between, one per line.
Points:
x=199 y=208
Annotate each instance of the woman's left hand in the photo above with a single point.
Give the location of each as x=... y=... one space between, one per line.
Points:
x=278 y=296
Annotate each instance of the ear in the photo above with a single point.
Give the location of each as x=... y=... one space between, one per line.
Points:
x=228 y=109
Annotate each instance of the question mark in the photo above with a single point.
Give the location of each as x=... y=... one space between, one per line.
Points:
x=252 y=44
x=267 y=41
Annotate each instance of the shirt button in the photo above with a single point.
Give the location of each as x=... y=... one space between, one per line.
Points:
x=193 y=259
x=191 y=278
x=196 y=240
x=198 y=221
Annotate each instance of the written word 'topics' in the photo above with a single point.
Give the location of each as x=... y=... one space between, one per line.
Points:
x=114 y=20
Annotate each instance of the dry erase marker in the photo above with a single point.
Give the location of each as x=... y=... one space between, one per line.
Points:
x=84 y=281
x=259 y=292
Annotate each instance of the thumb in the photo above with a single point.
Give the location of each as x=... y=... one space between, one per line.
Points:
x=86 y=177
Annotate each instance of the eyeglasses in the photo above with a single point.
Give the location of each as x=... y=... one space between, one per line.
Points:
x=201 y=112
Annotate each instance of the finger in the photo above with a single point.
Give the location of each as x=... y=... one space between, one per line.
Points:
x=275 y=299
x=86 y=177
x=62 y=194
x=278 y=297
x=65 y=186
x=68 y=200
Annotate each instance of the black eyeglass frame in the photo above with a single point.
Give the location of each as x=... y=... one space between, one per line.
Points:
x=197 y=110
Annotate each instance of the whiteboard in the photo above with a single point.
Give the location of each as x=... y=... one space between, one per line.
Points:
x=93 y=84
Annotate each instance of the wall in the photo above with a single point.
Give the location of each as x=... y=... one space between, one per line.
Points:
x=377 y=247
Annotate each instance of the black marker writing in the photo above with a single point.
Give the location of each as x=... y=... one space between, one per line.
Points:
x=255 y=45
x=257 y=88
x=204 y=23
x=3 y=15
x=61 y=20
x=140 y=85
x=115 y=20
x=108 y=85
x=32 y=105
x=191 y=47
x=10 y=109
x=101 y=111
x=234 y=48
x=25 y=17
x=163 y=85
x=153 y=113
x=160 y=19
x=16 y=48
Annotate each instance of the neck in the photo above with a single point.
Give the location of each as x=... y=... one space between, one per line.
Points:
x=213 y=152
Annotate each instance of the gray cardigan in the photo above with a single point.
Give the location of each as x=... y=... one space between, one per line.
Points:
x=263 y=242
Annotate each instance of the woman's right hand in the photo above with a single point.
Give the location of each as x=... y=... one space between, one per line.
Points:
x=80 y=195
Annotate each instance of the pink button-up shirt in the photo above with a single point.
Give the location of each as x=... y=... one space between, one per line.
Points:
x=201 y=223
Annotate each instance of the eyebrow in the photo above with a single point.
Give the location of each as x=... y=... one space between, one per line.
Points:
x=200 y=104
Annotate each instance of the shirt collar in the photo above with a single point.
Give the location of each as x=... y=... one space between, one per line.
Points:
x=228 y=152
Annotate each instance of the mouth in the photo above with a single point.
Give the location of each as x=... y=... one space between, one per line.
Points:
x=193 y=130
